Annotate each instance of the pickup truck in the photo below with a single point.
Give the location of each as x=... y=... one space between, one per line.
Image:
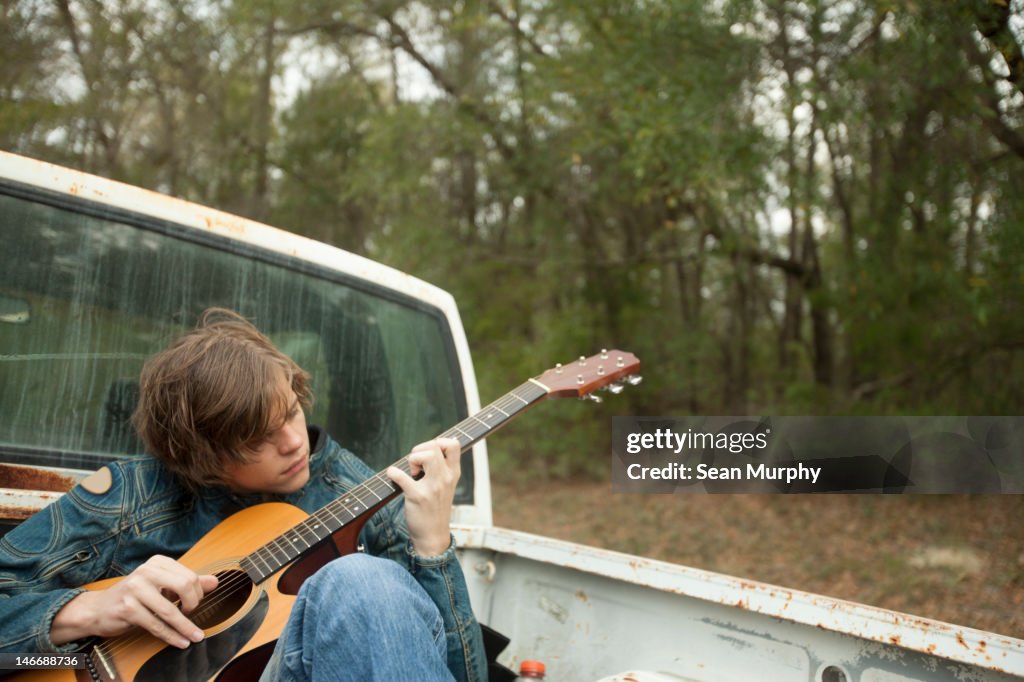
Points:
x=96 y=275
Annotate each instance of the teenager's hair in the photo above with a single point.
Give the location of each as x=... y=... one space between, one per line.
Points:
x=214 y=395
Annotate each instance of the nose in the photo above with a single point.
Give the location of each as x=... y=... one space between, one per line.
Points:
x=288 y=438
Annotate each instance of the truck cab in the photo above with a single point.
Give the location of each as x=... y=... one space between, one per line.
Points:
x=96 y=275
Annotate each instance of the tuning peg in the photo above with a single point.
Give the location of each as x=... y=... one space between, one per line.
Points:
x=614 y=389
x=593 y=397
x=634 y=379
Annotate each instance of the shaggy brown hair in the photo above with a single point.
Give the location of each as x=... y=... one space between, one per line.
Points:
x=212 y=397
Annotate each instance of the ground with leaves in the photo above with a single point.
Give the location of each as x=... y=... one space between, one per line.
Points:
x=954 y=559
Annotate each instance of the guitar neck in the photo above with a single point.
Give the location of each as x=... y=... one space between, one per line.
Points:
x=477 y=427
x=378 y=489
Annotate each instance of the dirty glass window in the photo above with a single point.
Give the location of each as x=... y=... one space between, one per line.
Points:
x=85 y=299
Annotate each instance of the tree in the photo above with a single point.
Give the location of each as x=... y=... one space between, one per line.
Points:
x=781 y=206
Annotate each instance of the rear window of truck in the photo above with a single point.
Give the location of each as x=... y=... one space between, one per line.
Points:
x=88 y=292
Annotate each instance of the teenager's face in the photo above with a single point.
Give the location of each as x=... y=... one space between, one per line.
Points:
x=280 y=463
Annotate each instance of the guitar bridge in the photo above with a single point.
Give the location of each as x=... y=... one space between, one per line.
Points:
x=99 y=667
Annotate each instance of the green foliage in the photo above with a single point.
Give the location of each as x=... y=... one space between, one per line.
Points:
x=785 y=206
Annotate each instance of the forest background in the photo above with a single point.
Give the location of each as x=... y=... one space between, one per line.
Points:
x=781 y=206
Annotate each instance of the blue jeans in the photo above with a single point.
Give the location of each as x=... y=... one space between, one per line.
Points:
x=361 y=618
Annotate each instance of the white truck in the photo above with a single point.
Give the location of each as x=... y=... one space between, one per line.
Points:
x=96 y=275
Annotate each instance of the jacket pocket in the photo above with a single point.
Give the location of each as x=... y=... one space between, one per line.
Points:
x=68 y=568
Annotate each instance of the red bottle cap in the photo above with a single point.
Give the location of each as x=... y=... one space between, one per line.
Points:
x=534 y=667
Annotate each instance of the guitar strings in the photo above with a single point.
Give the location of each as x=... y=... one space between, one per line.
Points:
x=240 y=579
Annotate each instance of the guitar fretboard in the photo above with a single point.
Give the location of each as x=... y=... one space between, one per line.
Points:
x=378 y=489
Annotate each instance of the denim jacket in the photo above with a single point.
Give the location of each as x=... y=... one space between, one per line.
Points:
x=84 y=537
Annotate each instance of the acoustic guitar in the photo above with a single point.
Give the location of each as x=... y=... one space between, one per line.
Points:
x=262 y=554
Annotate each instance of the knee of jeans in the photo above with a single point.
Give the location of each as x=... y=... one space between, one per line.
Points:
x=360 y=567
x=375 y=587
x=357 y=577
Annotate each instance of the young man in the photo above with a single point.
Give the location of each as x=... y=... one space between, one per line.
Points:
x=221 y=412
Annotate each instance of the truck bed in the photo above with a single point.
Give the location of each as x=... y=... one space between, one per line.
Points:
x=592 y=614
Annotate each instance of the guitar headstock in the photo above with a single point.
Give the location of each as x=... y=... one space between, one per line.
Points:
x=609 y=369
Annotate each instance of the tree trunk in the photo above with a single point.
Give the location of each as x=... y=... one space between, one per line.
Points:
x=260 y=206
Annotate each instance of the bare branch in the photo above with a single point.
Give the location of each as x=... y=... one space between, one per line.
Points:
x=992 y=117
x=513 y=22
x=402 y=39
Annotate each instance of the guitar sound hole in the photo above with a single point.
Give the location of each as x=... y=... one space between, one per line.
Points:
x=232 y=591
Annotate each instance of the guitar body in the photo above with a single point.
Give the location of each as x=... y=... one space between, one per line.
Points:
x=242 y=621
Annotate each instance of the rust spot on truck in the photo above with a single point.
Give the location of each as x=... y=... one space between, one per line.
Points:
x=12 y=513
x=30 y=478
x=961 y=641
